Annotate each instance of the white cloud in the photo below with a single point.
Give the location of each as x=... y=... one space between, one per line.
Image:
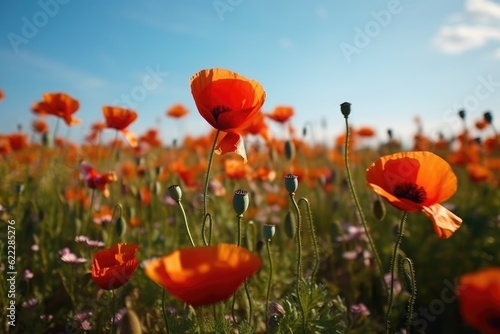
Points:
x=475 y=27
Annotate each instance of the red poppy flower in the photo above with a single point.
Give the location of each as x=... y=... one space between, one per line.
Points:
x=365 y=131
x=40 y=126
x=479 y=299
x=204 y=275
x=417 y=181
x=60 y=105
x=95 y=180
x=119 y=119
x=281 y=114
x=113 y=267
x=227 y=101
x=177 y=111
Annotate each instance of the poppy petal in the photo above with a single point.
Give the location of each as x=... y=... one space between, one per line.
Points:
x=232 y=143
x=444 y=222
x=204 y=275
x=131 y=137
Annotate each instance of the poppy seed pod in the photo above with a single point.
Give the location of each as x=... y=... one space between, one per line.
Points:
x=240 y=201
x=291 y=183
x=289 y=150
x=268 y=231
x=175 y=192
x=345 y=109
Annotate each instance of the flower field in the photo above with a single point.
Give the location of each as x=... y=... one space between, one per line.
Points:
x=239 y=231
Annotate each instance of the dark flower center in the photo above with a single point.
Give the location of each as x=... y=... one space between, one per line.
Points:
x=494 y=321
x=217 y=110
x=410 y=191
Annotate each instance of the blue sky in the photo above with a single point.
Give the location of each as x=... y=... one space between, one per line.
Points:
x=393 y=60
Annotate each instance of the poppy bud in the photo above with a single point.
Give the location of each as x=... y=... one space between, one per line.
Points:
x=240 y=201
x=19 y=188
x=378 y=209
x=461 y=113
x=291 y=183
x=46 y=139
x=290 y=225
x=121 y=226
x=488 y=117
x=345 y=109
x=390 y=134
x=158 y=170
x=272 y=154
x=268 y=231
x=175 y=192
x=156 y=188
x=289 y=150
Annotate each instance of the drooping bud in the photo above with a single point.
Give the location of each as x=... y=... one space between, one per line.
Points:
x=175 y=192
x=488 y=117
x=461 y=113
x=378 y=209
x=240 y=201
x=121 y=226
x=291 y=183
x=345 y=109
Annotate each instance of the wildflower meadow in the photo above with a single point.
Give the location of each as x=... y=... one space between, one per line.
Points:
x=243 y=231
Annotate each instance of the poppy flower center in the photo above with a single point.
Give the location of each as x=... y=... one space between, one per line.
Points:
x=410 y=191
x=494 y=321
x=217 y=110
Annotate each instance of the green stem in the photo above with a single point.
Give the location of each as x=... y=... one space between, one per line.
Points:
x=184 y=217
x=268 y=248
x=410 y=273
x=394 y=259
x=250 y=303
x=164 y=312
x=313 y=238
x=358 y=206
x=238 y=241
x=113 y=327
x=207 y=175
x=299 y=260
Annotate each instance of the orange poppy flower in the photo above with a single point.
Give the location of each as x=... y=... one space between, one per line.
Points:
x=95 y=180
x=119 y=119
x=60 y=105
x=113 y=267
x=479 y=299
x=258 y=126
x=281 y=114
x=18 y=141
x=177 y=111
x=204 y=275
x=40 y=126
x=151 y=138
x=479 y=173
x=417 y=181
x=227 y=101
x=365 y=131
